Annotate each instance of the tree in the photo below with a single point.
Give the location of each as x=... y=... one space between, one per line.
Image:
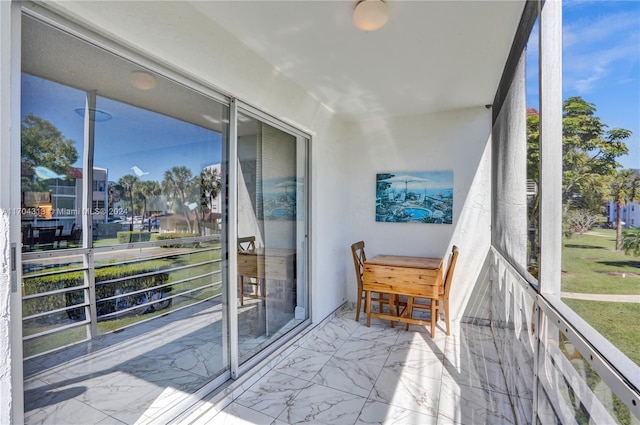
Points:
x=589 y=151
x=176 y=185
x=43 y=144
x=148 y=189
x=210 y=188
x=631 y=242
x=582 y=220
x=115 y=192
x=128 y=183
x=625 y=188
x=210 y=185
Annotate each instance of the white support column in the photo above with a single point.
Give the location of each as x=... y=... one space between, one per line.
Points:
x=550 y=147
x=11 y=386
x=232 y=238
x=87 y=217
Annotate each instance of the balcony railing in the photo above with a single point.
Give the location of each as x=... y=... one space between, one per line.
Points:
x=73 y=295
x=553 y=359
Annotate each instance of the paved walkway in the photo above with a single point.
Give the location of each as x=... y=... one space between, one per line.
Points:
x=602 y=297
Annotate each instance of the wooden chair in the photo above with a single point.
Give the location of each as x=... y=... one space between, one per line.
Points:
x=359 y=257
x=27 y=237
x=247 y=245
x=47 y=237
x=434 y=304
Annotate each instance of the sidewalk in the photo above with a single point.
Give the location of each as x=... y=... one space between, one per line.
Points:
x=602 y=297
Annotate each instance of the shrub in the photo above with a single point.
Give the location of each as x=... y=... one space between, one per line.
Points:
x=104 y=288
x=130 y=237
x=169 y=236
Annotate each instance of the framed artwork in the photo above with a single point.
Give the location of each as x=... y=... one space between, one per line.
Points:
x=279 y=199
x=415 y=197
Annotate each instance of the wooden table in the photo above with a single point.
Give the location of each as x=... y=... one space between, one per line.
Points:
x=275 y=272
x=420 y=277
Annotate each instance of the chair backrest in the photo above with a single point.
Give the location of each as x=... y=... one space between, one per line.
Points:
x=247 y=243
x=47 y=235
x=359 y=257
x=27 y=235
x=450 y=270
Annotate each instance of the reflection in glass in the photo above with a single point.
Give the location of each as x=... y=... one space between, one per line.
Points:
x=51 y=158
x=132 y=187
x=162 y=176
x=271 y=234
x=532 y=59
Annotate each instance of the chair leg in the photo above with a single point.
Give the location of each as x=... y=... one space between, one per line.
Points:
x=368 y=304
x=446 y=314
x=241 y=290
x=358 y=306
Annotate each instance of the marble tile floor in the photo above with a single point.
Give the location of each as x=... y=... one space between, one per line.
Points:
x=347 y=373
x=116 y=378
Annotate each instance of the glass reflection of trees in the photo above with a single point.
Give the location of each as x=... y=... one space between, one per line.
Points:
x=47 y=157
x=187 y=196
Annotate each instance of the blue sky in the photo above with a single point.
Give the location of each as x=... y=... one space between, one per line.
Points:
x=132 y=136
x=601 y=63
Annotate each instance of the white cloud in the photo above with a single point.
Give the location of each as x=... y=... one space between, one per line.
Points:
x=598 y=29
x=597 y=47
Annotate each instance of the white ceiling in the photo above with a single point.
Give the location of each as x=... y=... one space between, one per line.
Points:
x=431 y=56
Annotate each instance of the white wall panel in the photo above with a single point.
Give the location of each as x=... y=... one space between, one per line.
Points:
x=457 y=141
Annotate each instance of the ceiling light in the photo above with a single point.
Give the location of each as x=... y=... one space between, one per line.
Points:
x=370 y=15
x=142 y=80
x=94 y=114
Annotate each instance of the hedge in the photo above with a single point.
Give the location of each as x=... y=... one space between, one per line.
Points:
x=169 y=236
x=130 y=237
x=36 y=285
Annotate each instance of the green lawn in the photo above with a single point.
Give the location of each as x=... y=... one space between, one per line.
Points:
x=590 y=264
x=618 y=322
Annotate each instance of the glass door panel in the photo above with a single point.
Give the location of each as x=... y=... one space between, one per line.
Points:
x=124 y=297
x=272 y=289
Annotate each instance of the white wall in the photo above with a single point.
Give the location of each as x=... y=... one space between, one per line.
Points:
x=220 y=60
x=345 y=156
x=457 y=141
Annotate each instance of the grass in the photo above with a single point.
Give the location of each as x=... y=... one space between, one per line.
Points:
x=618 y=322
x=591 y=265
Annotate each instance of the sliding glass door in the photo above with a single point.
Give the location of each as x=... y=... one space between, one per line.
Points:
x=129 y=232
x=272 y=232
x=124 y=293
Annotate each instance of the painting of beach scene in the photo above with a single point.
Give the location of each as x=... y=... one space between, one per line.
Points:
x=279 y=196
x=415 y=197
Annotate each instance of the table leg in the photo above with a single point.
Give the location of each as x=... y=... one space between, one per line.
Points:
x=368 y=306
x=409 y=310
x=433 y=317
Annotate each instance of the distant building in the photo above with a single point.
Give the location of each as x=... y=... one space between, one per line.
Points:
x=630 y=214
x=64 y=203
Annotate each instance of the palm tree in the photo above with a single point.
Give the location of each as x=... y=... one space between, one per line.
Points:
x=128 y=182
x=625 y=188
x=175 y=185
x=631 y=242
x=148 y=189
x=210 y=186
